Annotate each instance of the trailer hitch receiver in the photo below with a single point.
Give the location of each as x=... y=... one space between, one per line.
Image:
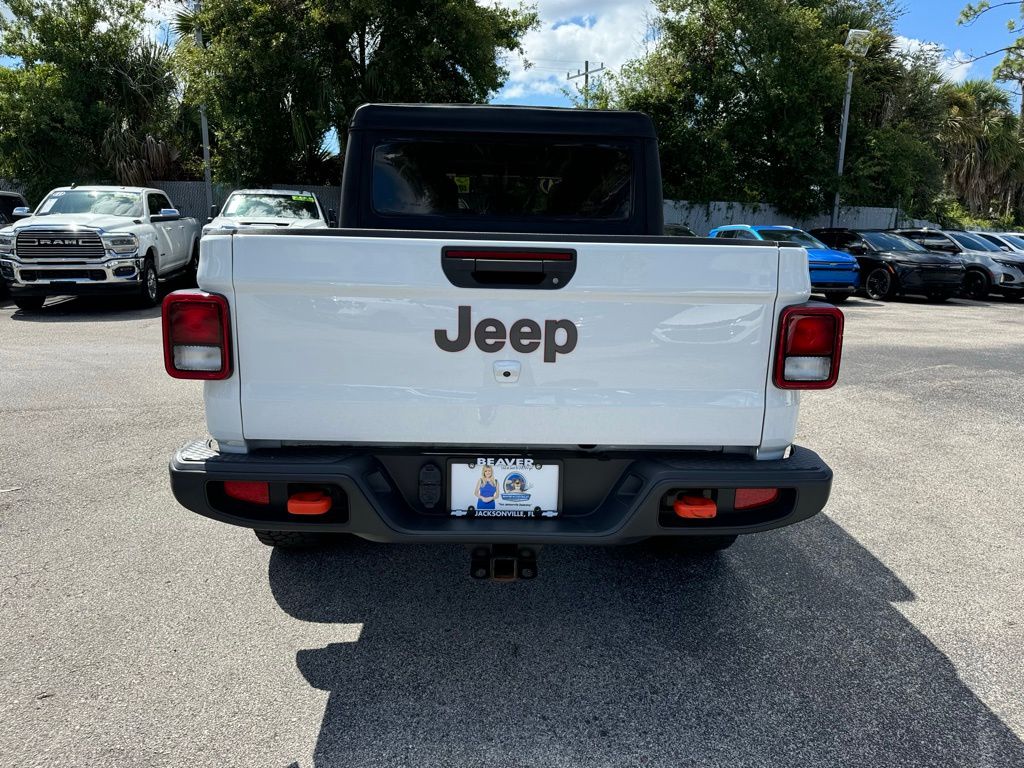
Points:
x=503 y=562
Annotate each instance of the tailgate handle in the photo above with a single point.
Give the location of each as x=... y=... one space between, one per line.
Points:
x=482 y=267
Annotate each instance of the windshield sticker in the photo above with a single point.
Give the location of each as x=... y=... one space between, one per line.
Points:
x=48 y=203
x=462 y=183
x=304 y=198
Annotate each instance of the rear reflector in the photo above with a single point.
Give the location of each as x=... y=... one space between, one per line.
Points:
x=809 y=346
x=248 y=491
x=749 y=498
x=309 y=503
x=695 y=507
x=196 y=335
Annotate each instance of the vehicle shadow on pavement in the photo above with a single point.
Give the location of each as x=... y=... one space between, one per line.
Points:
x=787 y=650
x=87 y=309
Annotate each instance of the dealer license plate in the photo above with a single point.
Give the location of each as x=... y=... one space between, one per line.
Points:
x=502 y=486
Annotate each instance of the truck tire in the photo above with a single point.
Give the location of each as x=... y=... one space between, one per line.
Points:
x=300 y=539
x=29 y=303
x=880 y=285
x=149 y=292
x=696 y=546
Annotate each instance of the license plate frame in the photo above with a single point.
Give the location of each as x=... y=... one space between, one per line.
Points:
x=538 y=496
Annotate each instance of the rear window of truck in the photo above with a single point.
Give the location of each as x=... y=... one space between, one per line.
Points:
x=502 y=179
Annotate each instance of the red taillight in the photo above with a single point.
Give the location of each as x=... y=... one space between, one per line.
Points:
x=749 y=498
x=196 y=335
x=809 y=347
x=247 y=491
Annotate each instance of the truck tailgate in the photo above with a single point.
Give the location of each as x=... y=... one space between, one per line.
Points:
x=337 y=342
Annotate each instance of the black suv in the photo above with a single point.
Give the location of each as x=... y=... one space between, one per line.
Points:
x=891 y=265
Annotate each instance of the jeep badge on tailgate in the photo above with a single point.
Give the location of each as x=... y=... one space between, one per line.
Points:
x=524 y=336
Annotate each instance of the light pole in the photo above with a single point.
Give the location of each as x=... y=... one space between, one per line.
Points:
x=204 y=126
x=856 y=44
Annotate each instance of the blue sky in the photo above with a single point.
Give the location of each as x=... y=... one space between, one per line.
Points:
x=613 y=31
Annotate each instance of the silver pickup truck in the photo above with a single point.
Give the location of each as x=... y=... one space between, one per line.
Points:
x=96 y=240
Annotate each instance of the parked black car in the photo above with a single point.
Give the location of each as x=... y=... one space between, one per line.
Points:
x=679 y=230
x=989 y=268
x=891 y=265
x=8 y=202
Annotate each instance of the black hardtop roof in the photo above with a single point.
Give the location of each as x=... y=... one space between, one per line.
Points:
x=486 y=118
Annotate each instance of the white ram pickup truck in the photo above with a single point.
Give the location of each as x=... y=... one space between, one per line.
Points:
x=499 y=348
x=97 y=240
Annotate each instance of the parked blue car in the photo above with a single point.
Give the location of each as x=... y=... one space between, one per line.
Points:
x=833 y=273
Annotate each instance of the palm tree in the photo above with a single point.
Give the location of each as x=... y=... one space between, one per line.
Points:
x=982 y=146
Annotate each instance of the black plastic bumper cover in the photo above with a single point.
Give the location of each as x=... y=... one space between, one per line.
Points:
x=632 y=508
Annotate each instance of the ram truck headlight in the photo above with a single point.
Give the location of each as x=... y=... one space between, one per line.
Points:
x=121 y=242
x=7 y=244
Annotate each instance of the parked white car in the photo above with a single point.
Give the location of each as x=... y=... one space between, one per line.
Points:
x=290 y=208
x=96 y=240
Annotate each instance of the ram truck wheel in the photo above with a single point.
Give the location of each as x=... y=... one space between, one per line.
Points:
x=150 y=289
x=29 y=303
x=301 y=539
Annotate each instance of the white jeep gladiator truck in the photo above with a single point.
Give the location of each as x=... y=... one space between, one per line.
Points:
x=500 y=348
x=94 y=241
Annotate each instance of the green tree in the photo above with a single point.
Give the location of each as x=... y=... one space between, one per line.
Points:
x=87 y=99
x=278 y=75
x=747 y=96
x=983 y=148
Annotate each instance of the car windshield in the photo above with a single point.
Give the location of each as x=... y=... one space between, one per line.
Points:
x=973 y=242
x=792 y=236
x=1014 y=240
x=886 y=241
x=272 y=206
x=106 y=203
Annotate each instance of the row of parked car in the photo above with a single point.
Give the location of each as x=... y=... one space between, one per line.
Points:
x=89 y=240
x=937 y=264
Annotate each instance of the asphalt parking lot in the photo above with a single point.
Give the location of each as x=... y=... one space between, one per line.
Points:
x=888 y=631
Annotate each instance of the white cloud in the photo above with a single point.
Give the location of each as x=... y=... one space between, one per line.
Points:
x=571 y=32
x=954 y=67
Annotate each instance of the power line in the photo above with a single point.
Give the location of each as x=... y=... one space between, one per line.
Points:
x=585 y=74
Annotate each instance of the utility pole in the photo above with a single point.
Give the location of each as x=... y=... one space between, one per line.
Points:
x=204 y=126
x=857 y=45
x=585 y=74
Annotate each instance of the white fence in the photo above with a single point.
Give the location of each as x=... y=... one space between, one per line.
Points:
x=190 y=197
x=703 y=217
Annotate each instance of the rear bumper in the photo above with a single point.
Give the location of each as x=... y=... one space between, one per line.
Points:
x=608 y=499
